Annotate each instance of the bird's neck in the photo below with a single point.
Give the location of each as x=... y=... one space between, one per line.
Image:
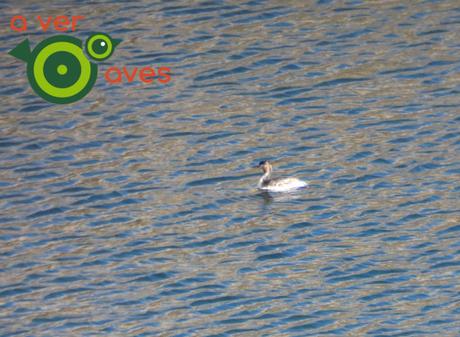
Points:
x=265 y=178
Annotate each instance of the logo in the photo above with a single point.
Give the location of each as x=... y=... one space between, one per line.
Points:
x=58 y=69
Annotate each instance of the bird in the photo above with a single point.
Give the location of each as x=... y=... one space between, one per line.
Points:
x=267 y=183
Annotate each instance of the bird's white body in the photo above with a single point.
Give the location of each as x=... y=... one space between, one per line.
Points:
x=283 y=185
x=266 y=183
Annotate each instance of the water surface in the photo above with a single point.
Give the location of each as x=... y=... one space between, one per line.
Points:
x=133 y=212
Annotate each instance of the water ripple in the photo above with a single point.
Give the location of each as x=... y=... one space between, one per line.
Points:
x=134 y=211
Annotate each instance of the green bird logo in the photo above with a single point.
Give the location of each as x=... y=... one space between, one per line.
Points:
x=58 y=69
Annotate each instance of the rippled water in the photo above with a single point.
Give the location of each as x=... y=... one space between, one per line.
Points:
x=134 y=211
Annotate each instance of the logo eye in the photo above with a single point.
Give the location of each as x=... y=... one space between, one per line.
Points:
x=100 y=46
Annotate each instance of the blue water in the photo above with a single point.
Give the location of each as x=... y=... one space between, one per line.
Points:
x=133 y=212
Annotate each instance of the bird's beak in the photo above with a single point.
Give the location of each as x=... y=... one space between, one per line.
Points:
x=116 y=42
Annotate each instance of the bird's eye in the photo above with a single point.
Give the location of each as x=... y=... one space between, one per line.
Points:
x=99 y=47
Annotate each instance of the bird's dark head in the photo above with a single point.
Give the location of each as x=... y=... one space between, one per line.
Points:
x=265 y=166
x=262 y=163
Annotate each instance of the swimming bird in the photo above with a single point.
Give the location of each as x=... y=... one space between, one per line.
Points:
x=267 y=183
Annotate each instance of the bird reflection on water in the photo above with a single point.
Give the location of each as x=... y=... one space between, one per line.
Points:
x=278 y=197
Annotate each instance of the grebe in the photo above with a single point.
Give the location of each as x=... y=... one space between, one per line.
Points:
x=266 y=182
